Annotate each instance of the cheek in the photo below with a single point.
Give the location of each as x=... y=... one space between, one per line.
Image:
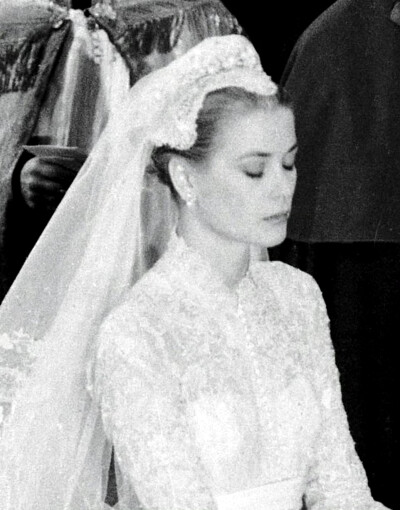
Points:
x=292 y=181
x=225 y=202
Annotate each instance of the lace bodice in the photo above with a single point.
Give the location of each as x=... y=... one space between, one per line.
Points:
x=209 y=394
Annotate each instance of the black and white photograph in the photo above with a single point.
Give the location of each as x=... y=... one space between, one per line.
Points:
x=199 y=254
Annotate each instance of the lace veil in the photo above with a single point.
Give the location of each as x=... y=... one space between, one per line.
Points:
x=53 y=452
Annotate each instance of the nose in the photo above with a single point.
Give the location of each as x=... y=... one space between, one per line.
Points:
x=282 y=183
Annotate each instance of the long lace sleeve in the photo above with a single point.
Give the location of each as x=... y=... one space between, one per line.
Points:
x=142 y=415
x=337 y=480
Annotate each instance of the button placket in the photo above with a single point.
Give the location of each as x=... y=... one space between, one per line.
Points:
x=249 y=343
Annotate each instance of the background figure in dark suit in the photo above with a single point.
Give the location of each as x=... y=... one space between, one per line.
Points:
x=343 y=76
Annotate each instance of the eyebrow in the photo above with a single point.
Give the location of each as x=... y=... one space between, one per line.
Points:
x=262 y=154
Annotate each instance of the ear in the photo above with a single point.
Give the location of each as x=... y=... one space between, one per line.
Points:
x=181 y=172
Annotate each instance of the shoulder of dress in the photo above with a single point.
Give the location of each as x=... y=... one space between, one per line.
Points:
x=300 y=300
x=147 y=295
x=132 y=323
x=289 y=284
x=277 y=273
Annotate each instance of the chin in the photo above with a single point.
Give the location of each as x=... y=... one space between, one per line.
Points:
x=258 y=236
x=272 y=238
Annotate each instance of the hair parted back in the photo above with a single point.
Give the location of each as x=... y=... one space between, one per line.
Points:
x=217 y=105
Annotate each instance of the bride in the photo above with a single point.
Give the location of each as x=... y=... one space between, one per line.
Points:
x=210 y=373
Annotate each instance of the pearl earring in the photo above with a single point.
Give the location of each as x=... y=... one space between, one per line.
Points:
x=190 y=200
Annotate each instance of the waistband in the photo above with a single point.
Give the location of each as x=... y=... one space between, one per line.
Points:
x=282 y=495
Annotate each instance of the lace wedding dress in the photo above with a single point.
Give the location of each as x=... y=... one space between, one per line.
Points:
x=228 y=400
x=213 y=399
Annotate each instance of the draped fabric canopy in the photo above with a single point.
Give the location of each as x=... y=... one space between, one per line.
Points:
x=146 y=33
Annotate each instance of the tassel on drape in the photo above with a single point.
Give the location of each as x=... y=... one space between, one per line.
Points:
x=139 y=30
x=25 y=30
x=20 y=61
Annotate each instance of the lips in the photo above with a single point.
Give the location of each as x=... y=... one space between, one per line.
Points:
x=282 y=216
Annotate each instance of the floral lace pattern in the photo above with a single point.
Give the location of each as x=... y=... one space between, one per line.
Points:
x=17 y=353
x=218 y=62
x=206 y=391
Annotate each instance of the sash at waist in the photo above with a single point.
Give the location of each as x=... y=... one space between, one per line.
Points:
x=283 y=495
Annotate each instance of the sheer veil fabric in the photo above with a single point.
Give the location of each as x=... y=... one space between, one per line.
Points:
x=53 y=451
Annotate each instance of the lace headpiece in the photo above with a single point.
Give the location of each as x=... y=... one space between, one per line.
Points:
x=216 y=63
x=53 y=453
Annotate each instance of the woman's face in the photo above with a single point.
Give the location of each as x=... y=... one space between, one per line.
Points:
x=244 y=188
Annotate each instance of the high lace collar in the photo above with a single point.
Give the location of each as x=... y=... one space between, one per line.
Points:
x=192 y=270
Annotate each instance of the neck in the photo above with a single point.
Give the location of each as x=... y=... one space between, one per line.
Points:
x=228 y=258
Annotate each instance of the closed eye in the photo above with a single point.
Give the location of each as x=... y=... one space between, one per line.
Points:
x=254 y=168
x=290 y=158
x=288 y=167
x=256 y=175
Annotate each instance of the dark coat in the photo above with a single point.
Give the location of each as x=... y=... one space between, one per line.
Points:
x=344 y=79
